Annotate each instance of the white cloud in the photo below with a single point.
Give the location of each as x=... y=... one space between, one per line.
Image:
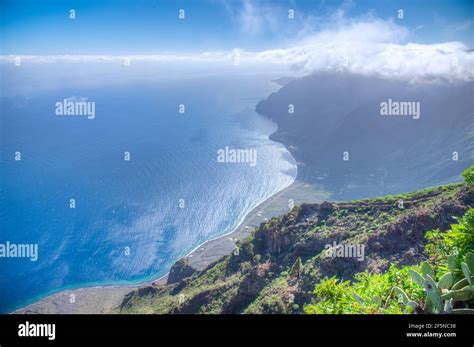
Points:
x=255 y=19
x=65 y=58
x=375 y=47
x=369 y=47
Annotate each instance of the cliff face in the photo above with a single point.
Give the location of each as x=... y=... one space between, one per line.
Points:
x=338 y=113
x=179 y=271
x=277 y=268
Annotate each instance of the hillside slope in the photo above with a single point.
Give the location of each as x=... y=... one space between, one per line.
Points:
x=335 y=113
x=266 y=274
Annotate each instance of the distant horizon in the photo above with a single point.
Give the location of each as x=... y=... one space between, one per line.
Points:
x=158 y=27
x=375 y=38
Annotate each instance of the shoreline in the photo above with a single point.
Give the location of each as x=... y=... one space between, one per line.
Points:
x=107 y=298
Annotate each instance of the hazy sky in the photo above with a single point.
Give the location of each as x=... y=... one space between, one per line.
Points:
x=116 y=27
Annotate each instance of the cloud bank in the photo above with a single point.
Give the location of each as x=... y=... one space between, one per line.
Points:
x=376 y=48
x=370 y=47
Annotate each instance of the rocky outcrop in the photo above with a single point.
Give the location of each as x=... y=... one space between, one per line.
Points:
x=180 y=270
x=260 y=279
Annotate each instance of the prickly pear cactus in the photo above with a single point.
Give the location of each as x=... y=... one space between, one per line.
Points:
x=446 y=295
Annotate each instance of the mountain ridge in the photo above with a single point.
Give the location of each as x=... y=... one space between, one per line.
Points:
x=337 y=113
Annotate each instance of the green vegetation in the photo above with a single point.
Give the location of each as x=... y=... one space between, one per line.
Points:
x=297 y=268
x=442 y=296
x=455 y=242
x=417 y=255
x=368 y=293
x=468 y=175
x=412 y=288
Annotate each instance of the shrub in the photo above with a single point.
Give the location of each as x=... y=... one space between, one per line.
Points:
x=411 y=288
x=468 y=175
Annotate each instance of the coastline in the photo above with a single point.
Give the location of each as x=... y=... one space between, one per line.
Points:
x=106 y=299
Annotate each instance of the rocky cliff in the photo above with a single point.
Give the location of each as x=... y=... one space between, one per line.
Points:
x=386 y=154
x=276 y=269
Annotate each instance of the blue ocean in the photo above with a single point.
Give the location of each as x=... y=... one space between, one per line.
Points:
x=132 y=219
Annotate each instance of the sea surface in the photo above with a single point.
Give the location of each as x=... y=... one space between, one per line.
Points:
x=132 y=219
